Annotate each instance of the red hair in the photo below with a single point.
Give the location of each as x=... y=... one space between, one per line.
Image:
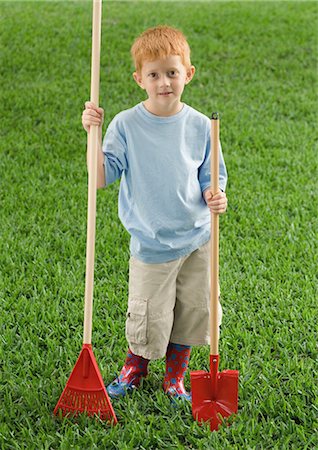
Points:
x=158 y=43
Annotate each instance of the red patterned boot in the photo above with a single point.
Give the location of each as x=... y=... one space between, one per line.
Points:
x=177 y=360
x=134 y=369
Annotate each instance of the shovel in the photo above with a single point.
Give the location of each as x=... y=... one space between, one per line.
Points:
x=85 y=391
x=214 y=394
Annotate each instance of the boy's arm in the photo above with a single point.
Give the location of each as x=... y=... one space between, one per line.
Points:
x=204 y=171
x=93 y=116
x=111 y=158
x=100 y=181
x=217 y=202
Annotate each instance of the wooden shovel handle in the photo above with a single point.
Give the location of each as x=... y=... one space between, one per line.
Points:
x=92 y=143
x=214 y=160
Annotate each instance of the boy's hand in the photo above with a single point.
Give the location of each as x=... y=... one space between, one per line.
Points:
x=217 y=203
x=92 y=116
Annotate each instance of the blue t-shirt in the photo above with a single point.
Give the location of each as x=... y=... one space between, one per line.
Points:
x=164 y=165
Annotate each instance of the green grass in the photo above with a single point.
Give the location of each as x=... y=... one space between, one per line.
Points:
x=256 y=64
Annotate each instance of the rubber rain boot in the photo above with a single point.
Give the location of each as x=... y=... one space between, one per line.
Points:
x=177 y=360
x=134 y=369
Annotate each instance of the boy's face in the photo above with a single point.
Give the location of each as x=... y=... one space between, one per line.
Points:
x=164 y=81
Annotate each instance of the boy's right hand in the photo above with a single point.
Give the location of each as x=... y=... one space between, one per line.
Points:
x=92 y=116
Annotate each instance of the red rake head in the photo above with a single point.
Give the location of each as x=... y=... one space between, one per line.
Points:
x=214 y=394
x=85 y=391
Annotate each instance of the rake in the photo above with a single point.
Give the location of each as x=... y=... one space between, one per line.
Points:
x=85 y=391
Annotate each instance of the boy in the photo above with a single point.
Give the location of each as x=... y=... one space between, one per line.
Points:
x=161 y=151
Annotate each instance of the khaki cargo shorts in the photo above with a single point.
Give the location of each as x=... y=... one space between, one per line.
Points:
x=169 y=302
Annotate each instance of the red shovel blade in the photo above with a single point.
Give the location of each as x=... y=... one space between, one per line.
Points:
x=214 y=399
x=85 y=391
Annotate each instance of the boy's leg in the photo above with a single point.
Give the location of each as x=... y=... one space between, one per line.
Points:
x=152 y=294
x=134 y=369
x=192 y=310
x=191 y=318
x=177 y=360
x=151 y=303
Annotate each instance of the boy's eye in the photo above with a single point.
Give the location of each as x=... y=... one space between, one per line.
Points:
x=152 y=75
x=172 y=73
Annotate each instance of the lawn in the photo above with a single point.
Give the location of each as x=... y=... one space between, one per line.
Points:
x=257 y=65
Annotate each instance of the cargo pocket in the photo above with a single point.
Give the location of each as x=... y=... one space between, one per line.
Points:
x=136 y=323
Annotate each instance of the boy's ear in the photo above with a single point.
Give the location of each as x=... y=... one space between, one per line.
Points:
x=137 y=77
x=190 y=74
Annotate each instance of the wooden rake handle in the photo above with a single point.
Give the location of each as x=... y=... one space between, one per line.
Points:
x=214 y=161
x=92 y=148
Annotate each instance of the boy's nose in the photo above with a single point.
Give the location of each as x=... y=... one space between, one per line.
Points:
x=165 y=81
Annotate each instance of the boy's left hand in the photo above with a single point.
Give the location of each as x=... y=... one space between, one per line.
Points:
x=217 y=203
